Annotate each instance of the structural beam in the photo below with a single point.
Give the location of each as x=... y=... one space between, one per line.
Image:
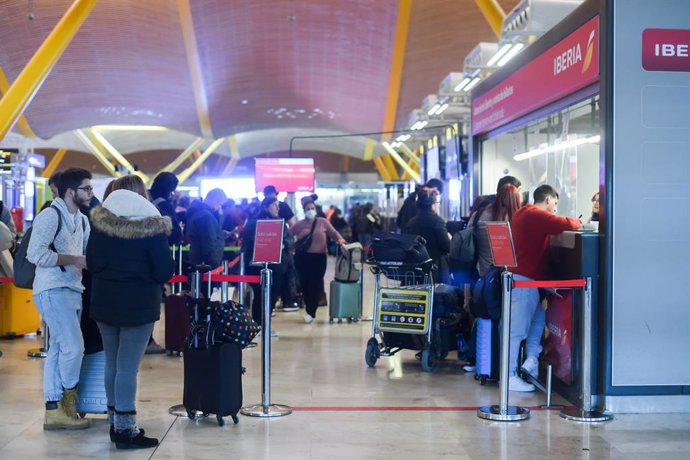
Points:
x=369 y=146
x=229 y=167
x=54 y=163
x=115 y=153
x=493 y=13
x=97 y=153
x=184 y=175
x=390 y=167
x=398 y=159
x=378 y=162
x=234 y=156
x=200 y=100
x=30 y=79
x=183 y=156
x=410 y=155
x=396 y=65
x=22 y=124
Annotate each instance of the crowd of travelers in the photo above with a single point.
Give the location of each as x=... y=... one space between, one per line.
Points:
x=106 y=263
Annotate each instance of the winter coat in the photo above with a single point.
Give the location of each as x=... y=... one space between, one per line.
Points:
x=129 y=260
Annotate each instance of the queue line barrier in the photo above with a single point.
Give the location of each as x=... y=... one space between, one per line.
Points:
x=503 y=411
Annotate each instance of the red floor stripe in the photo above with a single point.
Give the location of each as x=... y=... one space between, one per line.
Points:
x=394 y=408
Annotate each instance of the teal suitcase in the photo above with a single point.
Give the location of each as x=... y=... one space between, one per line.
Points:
x=345 y=301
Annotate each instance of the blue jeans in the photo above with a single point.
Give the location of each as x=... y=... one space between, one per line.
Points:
x=124 y=347
x=60 y=308
x=527 y=320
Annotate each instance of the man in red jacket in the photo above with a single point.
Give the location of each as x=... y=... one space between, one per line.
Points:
x=532 y=227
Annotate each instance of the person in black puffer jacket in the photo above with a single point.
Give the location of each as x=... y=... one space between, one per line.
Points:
x=129 y=260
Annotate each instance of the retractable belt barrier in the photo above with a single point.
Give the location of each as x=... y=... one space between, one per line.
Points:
x=586 y=413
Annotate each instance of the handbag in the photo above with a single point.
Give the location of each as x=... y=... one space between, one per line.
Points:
x=303 y=244
x=234 y=324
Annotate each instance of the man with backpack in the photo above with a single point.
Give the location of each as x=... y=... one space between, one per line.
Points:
x=532 y=227
x=57 y=246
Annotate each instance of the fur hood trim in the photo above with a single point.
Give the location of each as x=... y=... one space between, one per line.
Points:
x=129 y=229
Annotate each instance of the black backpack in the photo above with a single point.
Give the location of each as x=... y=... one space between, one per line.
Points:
x=25 y=271
x=462 y=257
x=392 y=249
x=487 y=295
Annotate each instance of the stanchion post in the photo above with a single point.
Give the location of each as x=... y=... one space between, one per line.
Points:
x=241 y=285
x=504 y=412
x=179 y=268
x=224 y=284
x=266 y=409
x=586 y=413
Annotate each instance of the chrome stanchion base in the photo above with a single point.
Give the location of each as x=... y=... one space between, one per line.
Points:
x=578 y=414
x=180 y=411
x=366 y=318
x=513 y=414
x=37 y=353
x=259 y=410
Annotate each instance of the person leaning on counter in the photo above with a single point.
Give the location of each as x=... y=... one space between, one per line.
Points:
x=532 y=227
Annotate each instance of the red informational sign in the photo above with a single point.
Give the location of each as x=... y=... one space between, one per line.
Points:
x=558 y=346
x=285 y=174
x=666 y=50
x=268 y=241
x=570 y=65
x=501 y=242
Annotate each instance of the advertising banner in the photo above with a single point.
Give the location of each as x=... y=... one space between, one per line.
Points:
x=285 y=174
x=570 y=65
x=666 y=50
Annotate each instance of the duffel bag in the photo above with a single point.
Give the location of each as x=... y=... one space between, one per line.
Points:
x=394 y=249
x=234 y=323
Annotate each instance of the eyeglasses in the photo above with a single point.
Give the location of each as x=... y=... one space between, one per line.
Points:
x=87 y=188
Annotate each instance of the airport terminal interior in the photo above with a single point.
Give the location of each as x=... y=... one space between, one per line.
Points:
x=359 y=109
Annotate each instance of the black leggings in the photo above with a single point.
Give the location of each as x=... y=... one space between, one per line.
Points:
x=311 y=269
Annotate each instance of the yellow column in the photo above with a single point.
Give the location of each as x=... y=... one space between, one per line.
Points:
x=184 y=175
x=183 y=156
x=22 y=124
x=397 y=62
x=110 y=148
x=54 y=162
x=32 y=76
x=381 y=169
x=390 y=167
x=493 y=13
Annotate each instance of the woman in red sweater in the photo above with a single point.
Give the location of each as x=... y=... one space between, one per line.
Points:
x=311 y=263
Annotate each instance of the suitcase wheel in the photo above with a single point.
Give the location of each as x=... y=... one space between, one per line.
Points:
x=221 y=422
x=330 y=320
x=168 y=352
x=340 y=321
x=191 y=414
x=235 y=419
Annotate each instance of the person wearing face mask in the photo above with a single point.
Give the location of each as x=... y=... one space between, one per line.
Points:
x=311 y=263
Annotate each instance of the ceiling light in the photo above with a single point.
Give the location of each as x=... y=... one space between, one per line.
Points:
x=403 y=137
x=388 y=147
x=472 y=84
x=504 y=49
x=517 y=47
x=434 y=109
x=462 y=84
x=441 y=109
x=556 y=147
x=422 y=124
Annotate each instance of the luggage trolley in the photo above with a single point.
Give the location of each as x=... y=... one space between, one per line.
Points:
x=403 y=312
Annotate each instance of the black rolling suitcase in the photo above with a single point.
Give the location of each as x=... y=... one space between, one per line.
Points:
x=213 y=381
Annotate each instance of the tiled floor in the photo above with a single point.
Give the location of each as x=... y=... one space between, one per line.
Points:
x=343 y=409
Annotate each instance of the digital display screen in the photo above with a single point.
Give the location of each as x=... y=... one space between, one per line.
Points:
x=285 y=174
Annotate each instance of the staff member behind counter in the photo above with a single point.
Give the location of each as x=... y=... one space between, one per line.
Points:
x=532 y=226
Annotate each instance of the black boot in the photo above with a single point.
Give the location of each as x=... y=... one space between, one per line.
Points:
x=125 y=440
x=113 y=436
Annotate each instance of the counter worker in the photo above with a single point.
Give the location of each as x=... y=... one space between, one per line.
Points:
x=532 y=227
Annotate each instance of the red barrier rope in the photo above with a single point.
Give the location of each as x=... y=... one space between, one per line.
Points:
x=254 y=279
x=557 y=284
x=216 y=271
x=6 y=280
x=178 y=279
x=234 y=262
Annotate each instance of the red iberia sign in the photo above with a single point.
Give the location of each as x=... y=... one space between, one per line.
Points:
x=666 y=50
x=268 y=241
x=501 y=243
x=570 y=65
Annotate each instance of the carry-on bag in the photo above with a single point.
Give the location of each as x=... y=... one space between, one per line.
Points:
x=488 y=350
x=176 y=323
x=392 y=249
x=345 y=301
x=213 y=381
x=92 y=398
x=348 y=263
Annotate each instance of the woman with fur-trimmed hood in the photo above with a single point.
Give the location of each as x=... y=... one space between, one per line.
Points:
x=129 y=259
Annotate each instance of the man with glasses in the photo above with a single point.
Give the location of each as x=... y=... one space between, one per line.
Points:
x=57 y=292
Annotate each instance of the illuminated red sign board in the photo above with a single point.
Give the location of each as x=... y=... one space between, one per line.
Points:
x=501 y=243
x=570 y=65
x=666 y=50
x=285 y=174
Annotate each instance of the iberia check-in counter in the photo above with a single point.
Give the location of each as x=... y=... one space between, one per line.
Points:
x=599 y=104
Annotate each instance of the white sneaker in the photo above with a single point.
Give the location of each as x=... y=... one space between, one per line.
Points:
x=274 y=333
x=308 y=319
x=531 y=366
x=515 y=383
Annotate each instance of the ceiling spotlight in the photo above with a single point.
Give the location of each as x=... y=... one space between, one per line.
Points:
x=245 y=102
x=462 y=84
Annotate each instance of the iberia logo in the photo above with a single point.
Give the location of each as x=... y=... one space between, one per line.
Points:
x=590 y=52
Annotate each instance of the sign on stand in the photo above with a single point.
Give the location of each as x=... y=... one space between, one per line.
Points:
x=268 y=241
x=501 y=242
